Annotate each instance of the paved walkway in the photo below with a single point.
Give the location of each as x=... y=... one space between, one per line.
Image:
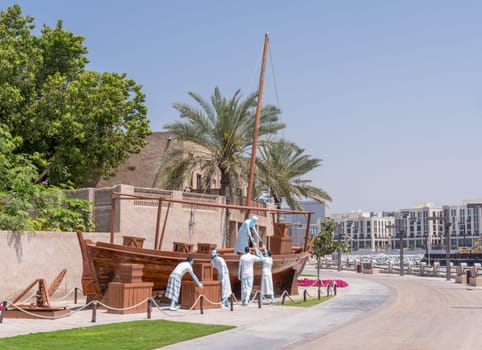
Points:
x=271 y=327
x=374 y=312
x=422 y=313
x=276 y=327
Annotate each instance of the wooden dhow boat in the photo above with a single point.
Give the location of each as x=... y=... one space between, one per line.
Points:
x=102 y=260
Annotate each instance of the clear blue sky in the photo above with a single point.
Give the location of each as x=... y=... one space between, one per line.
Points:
x=387 y=93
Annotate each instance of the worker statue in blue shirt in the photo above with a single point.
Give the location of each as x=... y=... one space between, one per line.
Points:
x=245 y=236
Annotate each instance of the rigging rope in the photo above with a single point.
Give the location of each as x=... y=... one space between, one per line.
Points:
x=191 y=223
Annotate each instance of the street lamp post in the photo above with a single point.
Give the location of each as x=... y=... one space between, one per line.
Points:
x=462 y=226
x=445 y=219
x=338 y=231
x=427 y=249
x=400 y=233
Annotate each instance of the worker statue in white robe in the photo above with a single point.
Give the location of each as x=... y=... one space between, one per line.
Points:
x=223 y=275
x=174 y=283
x=245 y=236
x=267 y=277
x=246 y=273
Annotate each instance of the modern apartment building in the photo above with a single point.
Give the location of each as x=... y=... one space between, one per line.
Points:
x=420 y=227
x=465 y=223
x=364 y=230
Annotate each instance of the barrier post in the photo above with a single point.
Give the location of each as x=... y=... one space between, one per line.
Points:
x=231 y=302
x=4 y=308
x=334 y=288
x=328 y=290
x=201 y=304
x=75 y=295
x=149 y=308
x=94 y=312
x=283 y=299
x=259 y=300
x=304 y=295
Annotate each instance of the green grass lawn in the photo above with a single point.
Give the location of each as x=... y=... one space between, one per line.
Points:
x=300 y=302
x=136 y=335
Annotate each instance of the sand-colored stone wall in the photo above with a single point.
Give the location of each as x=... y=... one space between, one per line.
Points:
x=25 y=257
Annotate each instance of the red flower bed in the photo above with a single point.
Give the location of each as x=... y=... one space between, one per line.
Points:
x=310 y=282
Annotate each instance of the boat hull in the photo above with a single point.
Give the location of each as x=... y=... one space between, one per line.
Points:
x=102 y=260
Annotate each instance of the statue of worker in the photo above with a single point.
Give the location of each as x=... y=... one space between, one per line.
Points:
x=246 y=273
x=174 y=283
x=244 y=235
x=223 y=274
x=267 y=277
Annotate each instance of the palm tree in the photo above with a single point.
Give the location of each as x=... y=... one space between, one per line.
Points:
x=216 y=139
x=281 y=164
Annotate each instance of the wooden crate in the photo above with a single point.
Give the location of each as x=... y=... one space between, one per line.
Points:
x=280 y=245
x=131 y=241
x=129 y=273
x=203 y=271
x=281 y=229
x=190 y=293
x=182 y=247
x=124 y=295
x=206 y=248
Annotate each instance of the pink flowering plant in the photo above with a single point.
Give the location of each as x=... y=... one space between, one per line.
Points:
x=311 y=282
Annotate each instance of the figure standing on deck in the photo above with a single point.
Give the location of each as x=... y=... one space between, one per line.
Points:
x=174 y=283
x=267 y=277
x=245 y=233
x=246 y=273
x=223 y=274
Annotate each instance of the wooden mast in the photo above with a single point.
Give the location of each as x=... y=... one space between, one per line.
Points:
x=256 y=125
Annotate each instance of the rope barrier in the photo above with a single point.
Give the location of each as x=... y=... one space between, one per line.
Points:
x=123 y=309
x=283 y=295
x=254 y=297
x=170 y=314
x=2 y=312
x=150 y=302
x=211 y=302
x=81 y=308
x=177 y=314
x=94 y=311
x=34 y=292
x=35 y=314
x=68 y=294
x=149 y=308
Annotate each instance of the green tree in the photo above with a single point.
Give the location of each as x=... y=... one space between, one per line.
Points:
x=217 y=137
x=323 y=244
x=281 y=165
x=16 y=184
x=26 y=206
x=82 y=124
